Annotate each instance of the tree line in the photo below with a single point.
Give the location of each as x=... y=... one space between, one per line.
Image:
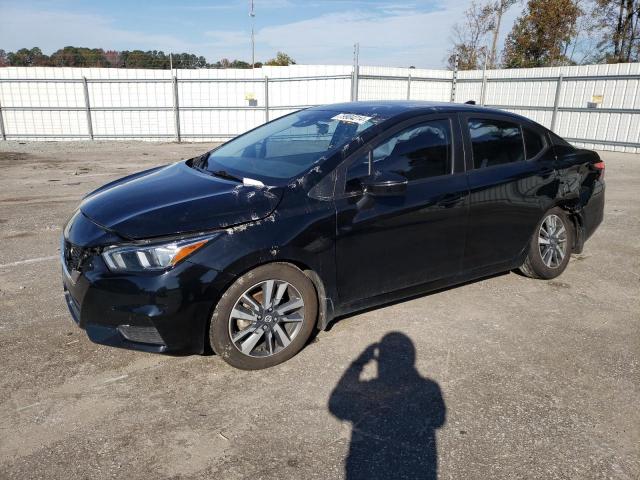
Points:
x=97 y=57
x=547 y=33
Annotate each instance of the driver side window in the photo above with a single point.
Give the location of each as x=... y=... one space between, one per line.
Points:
x=417 y=152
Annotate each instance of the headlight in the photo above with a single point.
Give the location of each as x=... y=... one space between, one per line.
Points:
x=152 y=257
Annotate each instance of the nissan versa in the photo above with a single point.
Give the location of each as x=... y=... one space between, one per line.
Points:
x=250 y=247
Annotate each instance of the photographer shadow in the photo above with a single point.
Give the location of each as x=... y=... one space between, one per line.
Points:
x=394 y=416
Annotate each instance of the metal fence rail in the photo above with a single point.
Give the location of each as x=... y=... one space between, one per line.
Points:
x=87 y=108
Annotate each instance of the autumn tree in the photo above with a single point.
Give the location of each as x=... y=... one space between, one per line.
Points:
x=113 y=58
x=542 y=36
x=470 y=37
x=282 y=59
x=497 y=9
x=618 y=29
x=4 y=61
x=481 y=26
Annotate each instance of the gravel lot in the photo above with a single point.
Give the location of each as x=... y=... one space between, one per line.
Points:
x=529 y=379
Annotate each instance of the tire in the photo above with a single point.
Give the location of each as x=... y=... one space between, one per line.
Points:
x=548 y=260
x=249 y=336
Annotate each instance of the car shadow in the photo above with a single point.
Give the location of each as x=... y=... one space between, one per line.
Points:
x=394 y=416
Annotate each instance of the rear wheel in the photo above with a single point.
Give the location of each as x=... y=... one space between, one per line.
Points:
x=265 y=317
x=550 y=246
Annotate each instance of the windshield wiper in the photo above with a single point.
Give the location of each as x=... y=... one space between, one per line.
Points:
x=226 y=175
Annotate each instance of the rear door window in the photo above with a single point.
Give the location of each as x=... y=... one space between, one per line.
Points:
x=495 y=142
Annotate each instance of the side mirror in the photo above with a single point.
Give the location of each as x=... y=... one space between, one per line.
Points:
x=385 y=184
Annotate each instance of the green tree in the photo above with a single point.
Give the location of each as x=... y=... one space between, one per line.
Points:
x=79 y=57
x=226 y=63
x=28 y=58
x=240 y=64
x=282 y=59
x=96 y=57
x=135 y=59
x=542 y=36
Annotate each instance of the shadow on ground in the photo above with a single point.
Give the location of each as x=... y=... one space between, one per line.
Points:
x=394 y=415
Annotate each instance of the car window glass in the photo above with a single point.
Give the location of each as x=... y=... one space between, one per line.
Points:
x=495 y=142
x=533 y=142
x=296 y=140
x=285 y=147
x=418 y=152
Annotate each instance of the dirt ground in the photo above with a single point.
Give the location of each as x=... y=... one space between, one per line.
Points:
x=517 y=378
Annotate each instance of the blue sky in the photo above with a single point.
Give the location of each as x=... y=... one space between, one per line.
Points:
x=313 y=31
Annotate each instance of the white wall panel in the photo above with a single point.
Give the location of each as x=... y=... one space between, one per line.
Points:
x=144 y=105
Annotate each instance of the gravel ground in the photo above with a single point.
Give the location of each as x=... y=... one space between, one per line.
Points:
x=512 y=377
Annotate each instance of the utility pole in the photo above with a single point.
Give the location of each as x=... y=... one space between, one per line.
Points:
x=252 y=14
x=356 y=72
x=500 y=9
x=483 y=90
x=454 y=79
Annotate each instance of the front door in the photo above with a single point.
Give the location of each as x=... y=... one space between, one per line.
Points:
x=392 y=242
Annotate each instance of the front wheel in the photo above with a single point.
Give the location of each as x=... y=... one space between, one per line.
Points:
x=550 y=246
x=265 y=317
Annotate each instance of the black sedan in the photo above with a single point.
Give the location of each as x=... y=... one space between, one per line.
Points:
x=320 y=213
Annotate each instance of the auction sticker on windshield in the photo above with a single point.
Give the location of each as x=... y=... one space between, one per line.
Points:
x=351 y=118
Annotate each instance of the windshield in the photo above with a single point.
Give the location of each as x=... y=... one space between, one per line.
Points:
x=289 y=145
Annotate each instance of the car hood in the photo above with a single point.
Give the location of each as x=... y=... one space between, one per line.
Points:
x=176 y=199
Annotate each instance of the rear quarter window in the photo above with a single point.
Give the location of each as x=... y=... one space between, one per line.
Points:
x=534 y=143
x=560 y=145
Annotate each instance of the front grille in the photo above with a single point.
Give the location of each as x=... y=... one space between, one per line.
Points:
x=73 y=256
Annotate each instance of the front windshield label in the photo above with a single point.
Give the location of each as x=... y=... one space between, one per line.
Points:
x=351 y=118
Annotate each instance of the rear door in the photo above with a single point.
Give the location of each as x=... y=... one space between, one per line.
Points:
x=400 y=241
x=512 y=181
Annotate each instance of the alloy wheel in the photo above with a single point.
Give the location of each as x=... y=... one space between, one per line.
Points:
x=266 y=318
x=552 y=241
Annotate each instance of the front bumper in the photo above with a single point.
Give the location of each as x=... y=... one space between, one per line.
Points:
x=155 y=312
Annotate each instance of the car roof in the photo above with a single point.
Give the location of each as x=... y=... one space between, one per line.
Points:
x=392 y=108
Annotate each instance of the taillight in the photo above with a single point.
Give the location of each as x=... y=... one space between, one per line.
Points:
x=599 y=166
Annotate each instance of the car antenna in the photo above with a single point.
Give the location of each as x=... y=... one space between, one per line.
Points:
x=470 y=102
